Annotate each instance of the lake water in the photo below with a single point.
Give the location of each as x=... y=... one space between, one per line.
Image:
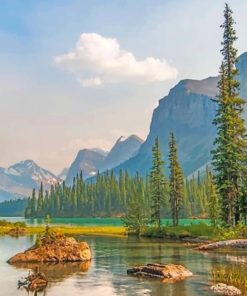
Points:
x=106 y=275
x=95 y=221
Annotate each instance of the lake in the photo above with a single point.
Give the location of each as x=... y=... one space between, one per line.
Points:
x=95 y=221
x=106 y=275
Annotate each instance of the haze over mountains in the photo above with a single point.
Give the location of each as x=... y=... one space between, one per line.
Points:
x=18 y=180
x=90 y=161
x=188 y=111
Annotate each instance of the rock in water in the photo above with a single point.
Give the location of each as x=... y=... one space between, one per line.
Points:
x=54 y=248
x=223 y=289
x=167 y=272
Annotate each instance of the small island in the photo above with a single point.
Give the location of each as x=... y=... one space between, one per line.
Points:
x=54 y=248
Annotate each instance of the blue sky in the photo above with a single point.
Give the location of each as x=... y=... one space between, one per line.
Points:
x=50 y=108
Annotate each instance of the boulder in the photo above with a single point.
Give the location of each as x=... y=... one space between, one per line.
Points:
x=166 y=272
x=223 y=289
x=54 y=248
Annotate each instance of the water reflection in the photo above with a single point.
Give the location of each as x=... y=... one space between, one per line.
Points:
x=57 y=271
x=106 y=274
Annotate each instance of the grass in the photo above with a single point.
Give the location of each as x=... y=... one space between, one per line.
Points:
x=181 y=231
x=200 y=230
x=5 y=227
x=231 y=275
x=87 y=230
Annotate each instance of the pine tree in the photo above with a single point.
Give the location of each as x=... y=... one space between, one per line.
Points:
x=230 y=144
x=158 y=184
x=213 y=198
x=28 y=208
x=33 y=204
x=40 y=202
x=136 y=213
x=176 y=191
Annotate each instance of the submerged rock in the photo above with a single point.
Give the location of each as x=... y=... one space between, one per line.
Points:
x=223 y=289
x=167 y=272
x=54 y=248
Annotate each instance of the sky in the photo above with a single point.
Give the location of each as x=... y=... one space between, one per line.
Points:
x=81 y=73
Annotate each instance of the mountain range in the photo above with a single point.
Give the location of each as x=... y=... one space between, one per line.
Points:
x=187 y=111
x=18 y=180
x=91 y=161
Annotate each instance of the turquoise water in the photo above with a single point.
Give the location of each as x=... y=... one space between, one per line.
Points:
x=106 y=274
x=95 y=221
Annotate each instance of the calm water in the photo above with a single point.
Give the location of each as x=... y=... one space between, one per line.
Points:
x=106 y=275
x=94 y=221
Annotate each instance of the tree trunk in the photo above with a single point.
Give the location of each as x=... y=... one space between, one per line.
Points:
x=233 y=243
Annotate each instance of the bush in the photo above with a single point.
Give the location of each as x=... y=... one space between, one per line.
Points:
x=239 y=231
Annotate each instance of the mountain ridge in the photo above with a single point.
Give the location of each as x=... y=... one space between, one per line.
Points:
x=188 y=110
x=17 y=180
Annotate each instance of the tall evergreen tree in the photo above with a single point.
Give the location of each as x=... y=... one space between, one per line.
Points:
x=158 y=184
x=176 y=191
x=40 y=202
x=136 y=210
x=230 y=144
x=213 y=199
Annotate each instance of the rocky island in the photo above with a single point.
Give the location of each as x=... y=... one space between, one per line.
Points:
x=54 y=248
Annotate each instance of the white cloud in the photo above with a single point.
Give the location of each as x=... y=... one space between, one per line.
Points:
x=97 y=60
x=90 y=82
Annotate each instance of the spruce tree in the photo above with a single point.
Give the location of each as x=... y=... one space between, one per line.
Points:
x=230 y=144
x=158 y=184
x=40 y=202
x=176 y=183
x=213 y=199
x=135 y=218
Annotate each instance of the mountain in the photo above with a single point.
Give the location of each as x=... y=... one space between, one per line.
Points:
x=88 y=161
x=242 y=66
x=101 y=151
x=188 y=111
x=19 y=179
x=63 y=174
x=5 y=195
x=123 y=150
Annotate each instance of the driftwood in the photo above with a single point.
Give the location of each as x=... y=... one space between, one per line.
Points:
x=34 y=281
x=233 y=243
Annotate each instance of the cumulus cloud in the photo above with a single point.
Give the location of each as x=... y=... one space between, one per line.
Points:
x=97 y=60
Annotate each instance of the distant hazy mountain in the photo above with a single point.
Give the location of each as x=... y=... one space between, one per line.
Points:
x=87 y=161
x=101 y=151
x=63 y=174
x=188 y=111
x=19 y=179
x=90 y=161
x=123 y=150
x=5 y=195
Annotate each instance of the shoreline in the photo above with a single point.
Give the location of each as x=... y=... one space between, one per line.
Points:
x=67 y=230
x=108 y=231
